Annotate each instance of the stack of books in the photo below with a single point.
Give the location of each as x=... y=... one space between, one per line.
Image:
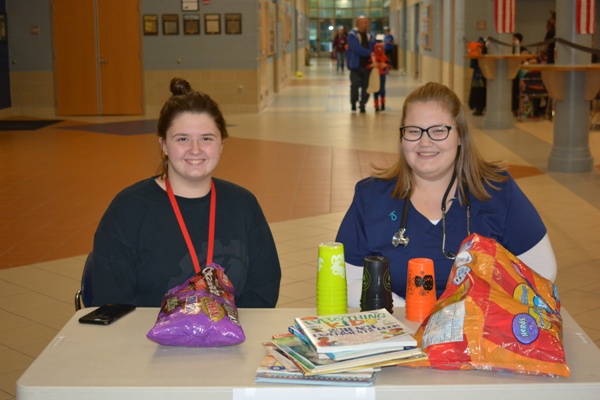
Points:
x=344 y=349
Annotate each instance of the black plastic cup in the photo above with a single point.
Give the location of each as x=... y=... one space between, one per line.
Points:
x=377 y=285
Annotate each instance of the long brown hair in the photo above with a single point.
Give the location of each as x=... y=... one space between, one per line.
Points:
x=472 y=171
x=186 y=100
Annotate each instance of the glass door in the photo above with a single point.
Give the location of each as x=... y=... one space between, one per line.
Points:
x=326 y=31
x=313 y=34
x=320 y=33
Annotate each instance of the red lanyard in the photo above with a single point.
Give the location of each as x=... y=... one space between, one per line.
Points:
x=186 y=235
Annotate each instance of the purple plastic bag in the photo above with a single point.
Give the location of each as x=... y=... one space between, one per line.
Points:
x=199 y=313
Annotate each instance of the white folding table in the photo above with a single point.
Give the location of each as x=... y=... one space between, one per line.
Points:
x=119 y=362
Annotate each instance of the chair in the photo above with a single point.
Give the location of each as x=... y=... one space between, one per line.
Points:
x=84 y=296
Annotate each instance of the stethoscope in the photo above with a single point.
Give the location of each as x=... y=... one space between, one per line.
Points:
x=400 y=237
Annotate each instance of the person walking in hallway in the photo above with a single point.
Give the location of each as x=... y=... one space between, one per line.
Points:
x=380 y=64
x=388 y=41
x=360 y=47
x=547 y=56
x=478 y=92
x=339 y=47
x=517 y=49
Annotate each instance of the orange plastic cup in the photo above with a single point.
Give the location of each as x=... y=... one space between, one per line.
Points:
x=420 y=289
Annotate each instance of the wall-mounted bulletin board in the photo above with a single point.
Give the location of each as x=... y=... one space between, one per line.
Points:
x=426 y=28
x=272 y=28
x=268 y=28
x=285 y=18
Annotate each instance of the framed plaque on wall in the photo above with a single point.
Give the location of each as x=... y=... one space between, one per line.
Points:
x=212 y=24
x=191 y=24
x=233 y=24
x=150 y=24
x=170 y=24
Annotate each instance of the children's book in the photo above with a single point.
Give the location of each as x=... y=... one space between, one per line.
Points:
x=308 y=360
x=299 y=335
x=271 y=370
x=341 y=355
x=347 y=355
x=281 y=357
x=371 y=330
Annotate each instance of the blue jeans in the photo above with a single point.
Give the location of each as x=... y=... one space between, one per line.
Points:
x=340 y=60
x=381 y=86
x=359 y=79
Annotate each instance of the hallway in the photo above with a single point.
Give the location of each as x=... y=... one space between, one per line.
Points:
x=301 y=157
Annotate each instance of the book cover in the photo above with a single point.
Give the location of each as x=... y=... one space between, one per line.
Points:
x=281 y=357
x=299 y=335
x=341 y=355
x=376 y=329
x=295 y=330
x=271 y=370
x=308 y=360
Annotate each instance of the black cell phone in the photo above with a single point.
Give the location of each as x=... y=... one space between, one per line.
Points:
x=107 y=314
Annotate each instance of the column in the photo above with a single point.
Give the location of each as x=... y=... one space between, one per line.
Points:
x=498 y=113
x=570 y=147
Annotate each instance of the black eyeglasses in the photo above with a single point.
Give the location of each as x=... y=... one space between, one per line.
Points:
x=414 y=133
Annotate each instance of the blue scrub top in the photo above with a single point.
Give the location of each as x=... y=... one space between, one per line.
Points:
x=374 y=217
x=388 y=42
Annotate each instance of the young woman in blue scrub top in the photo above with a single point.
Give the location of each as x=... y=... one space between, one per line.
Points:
x=439 y=191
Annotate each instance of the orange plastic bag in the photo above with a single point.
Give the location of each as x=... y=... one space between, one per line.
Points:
x=496 y=314
x=474 y=48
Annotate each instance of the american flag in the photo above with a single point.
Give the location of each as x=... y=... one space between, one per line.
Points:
x=504 y=15
x=586 y=17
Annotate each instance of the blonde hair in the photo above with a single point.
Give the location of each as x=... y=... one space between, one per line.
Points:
x=472 y=171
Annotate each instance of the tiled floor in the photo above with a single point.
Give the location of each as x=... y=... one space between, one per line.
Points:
x=301 y=157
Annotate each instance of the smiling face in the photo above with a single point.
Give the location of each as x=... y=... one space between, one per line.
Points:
x=430 y=160
x=193 y=146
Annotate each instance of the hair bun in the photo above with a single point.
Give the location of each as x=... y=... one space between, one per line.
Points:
x=180 y=86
